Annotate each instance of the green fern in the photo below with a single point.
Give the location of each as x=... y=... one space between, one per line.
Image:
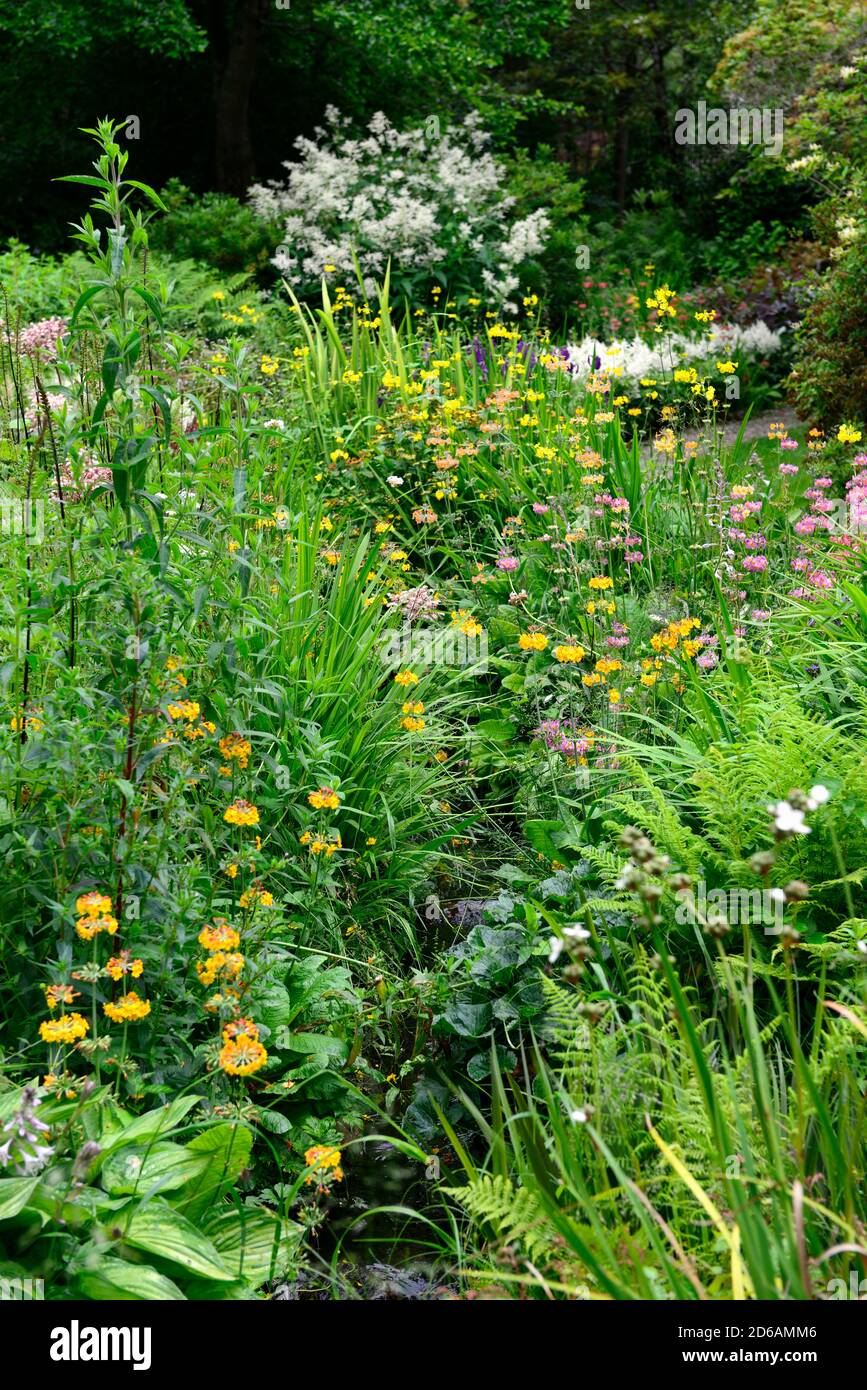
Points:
x=515 y=1215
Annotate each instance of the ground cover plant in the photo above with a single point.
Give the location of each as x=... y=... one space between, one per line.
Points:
x=432 y=725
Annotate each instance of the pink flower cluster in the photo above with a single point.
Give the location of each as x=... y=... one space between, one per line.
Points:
x=560 y=737
x=92 y=475
x=40 y=339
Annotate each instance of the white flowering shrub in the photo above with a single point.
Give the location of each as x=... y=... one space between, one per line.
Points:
x=430 y=202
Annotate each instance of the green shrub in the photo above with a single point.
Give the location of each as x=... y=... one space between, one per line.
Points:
x=39 y=287
x=829 y=379
x=215 y=228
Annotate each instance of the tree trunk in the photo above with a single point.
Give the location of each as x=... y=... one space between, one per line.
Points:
x=235 y=49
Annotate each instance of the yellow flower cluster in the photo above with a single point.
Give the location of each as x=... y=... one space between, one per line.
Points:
x=242 y=1053
x=124 y=964
x=322 y=844
x=225 y=965
x=324 y=1162
x=668 y=638
x=532 y=641
x=187 y=713
x=129 y=1009
x=59 y=994
x=663 y=302
x=94 y=916
x=219 y=937
x=569 y=652
x=255 y=896
x=67 y=1029
x=241 y=813
x=325 y=798
x=29 y=723
x=236 y=748
x=464 y=621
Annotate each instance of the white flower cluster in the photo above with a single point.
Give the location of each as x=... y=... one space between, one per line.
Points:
x=423 y=199
x=634 y=358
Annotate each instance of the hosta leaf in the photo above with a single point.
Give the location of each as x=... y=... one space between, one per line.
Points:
x=254 y=1244
x=137 y=1169
x=14 y=1194
x=118 y=1279
x=205 y=1289
x=223 y=1151
x=149 y=1126
x=160 y=1230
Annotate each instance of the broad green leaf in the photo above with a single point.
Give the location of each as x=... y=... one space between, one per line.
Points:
x=222 y=1151
x=160 y=1230
x=149 y=1126
x=15 y=1194
x=206 y=1290
x=494 y=730
x=137 y=1169
x=255 y=1244
x=112 y=1278
x=538 y=832
x=273 y=1120
x=319 y=1045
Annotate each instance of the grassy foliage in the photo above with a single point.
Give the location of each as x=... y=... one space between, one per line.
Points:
x=406 y=727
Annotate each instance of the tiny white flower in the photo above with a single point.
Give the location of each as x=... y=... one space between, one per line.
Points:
x=787 y=820
x=578 y=1117
x=817 y=796
x=557 y=943
x=622 y=881
x=576 y=933
x=394 y=480
x=777 y=895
